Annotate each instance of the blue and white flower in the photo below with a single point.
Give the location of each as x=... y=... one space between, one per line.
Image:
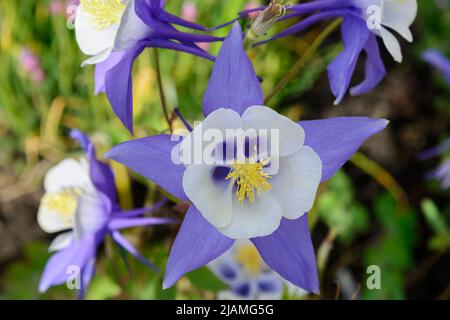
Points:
x=80 y=204
x=248 y=277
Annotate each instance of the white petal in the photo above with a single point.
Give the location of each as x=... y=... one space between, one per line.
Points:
x=277 y=285
x=391 y=44
x=131 y=29
x=216 y=122
x=295 y=185
x=53 y=221
x=92 y=214
x=291 y=135
x=399 y=15
x=90 y=39
x=69 y=173
x=61 y=241
x=213 y=198
x=102 y=56
x=257 y=219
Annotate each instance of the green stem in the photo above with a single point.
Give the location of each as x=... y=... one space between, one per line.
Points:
x=162 y=96
x=382 y=176
x=296 y=68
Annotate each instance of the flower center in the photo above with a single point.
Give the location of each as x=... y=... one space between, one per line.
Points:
x=64 y=203
x=104 y=13
x=249 y=258
x=250 y=179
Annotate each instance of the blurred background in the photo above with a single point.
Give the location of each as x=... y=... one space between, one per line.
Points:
x=378 y=210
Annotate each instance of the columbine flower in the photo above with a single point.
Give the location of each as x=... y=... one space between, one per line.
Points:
x=363 y=20
x=248 y=277
x=235 y=200
x=80 y=201
x=115 y=32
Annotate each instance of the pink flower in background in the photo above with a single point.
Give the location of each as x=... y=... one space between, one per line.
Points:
x=204 y=45
x=60 y=7
x=189 y=11
x=31 y=65
x=252 y=5
x=56 y=7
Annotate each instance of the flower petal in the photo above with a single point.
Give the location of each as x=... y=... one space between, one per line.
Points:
x=290 y=135
x=76 y=255
x=335 y=140
x=98 y=58
x=399 y=15
x=213 y=198
x=61 y=241
x=131 y=29
x=103 y=67
x=102 y=176
x=233 y=83
x=123 y=223
x=196 y=244
x=123 y=242
x=259 y=218
x=392 y=45
x=91 y=40
x=289 y=252
x=151 y=157
x=68 y=173
x=374 y=69
x=270 y=286
x=86 y=275
x=211 y=131
x=340 y=70
x=119 y=86
x=295 y=185
x=93 y=212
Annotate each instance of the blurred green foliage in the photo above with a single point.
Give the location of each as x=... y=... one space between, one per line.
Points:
x=340 y=210
x=393 y=250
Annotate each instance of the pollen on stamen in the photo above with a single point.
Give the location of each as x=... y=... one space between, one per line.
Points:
x=103 y=13
x=250 y=179
x=63 y=203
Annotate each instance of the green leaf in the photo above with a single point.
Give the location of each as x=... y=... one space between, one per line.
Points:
x=204 y=279
x=433 y=216
x=103 y=287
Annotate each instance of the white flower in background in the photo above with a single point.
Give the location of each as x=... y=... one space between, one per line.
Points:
x=68 y=201
x=102 y=26
x=396 y=15
x=248 y=277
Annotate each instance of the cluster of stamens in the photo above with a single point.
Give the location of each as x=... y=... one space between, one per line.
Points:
x=64 y=202
x=250 y=179
x=103 y=13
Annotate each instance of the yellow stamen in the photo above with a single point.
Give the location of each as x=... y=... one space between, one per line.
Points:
x=63 y=203
x=249 y=176
x=249 y=258
x=104 y=13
